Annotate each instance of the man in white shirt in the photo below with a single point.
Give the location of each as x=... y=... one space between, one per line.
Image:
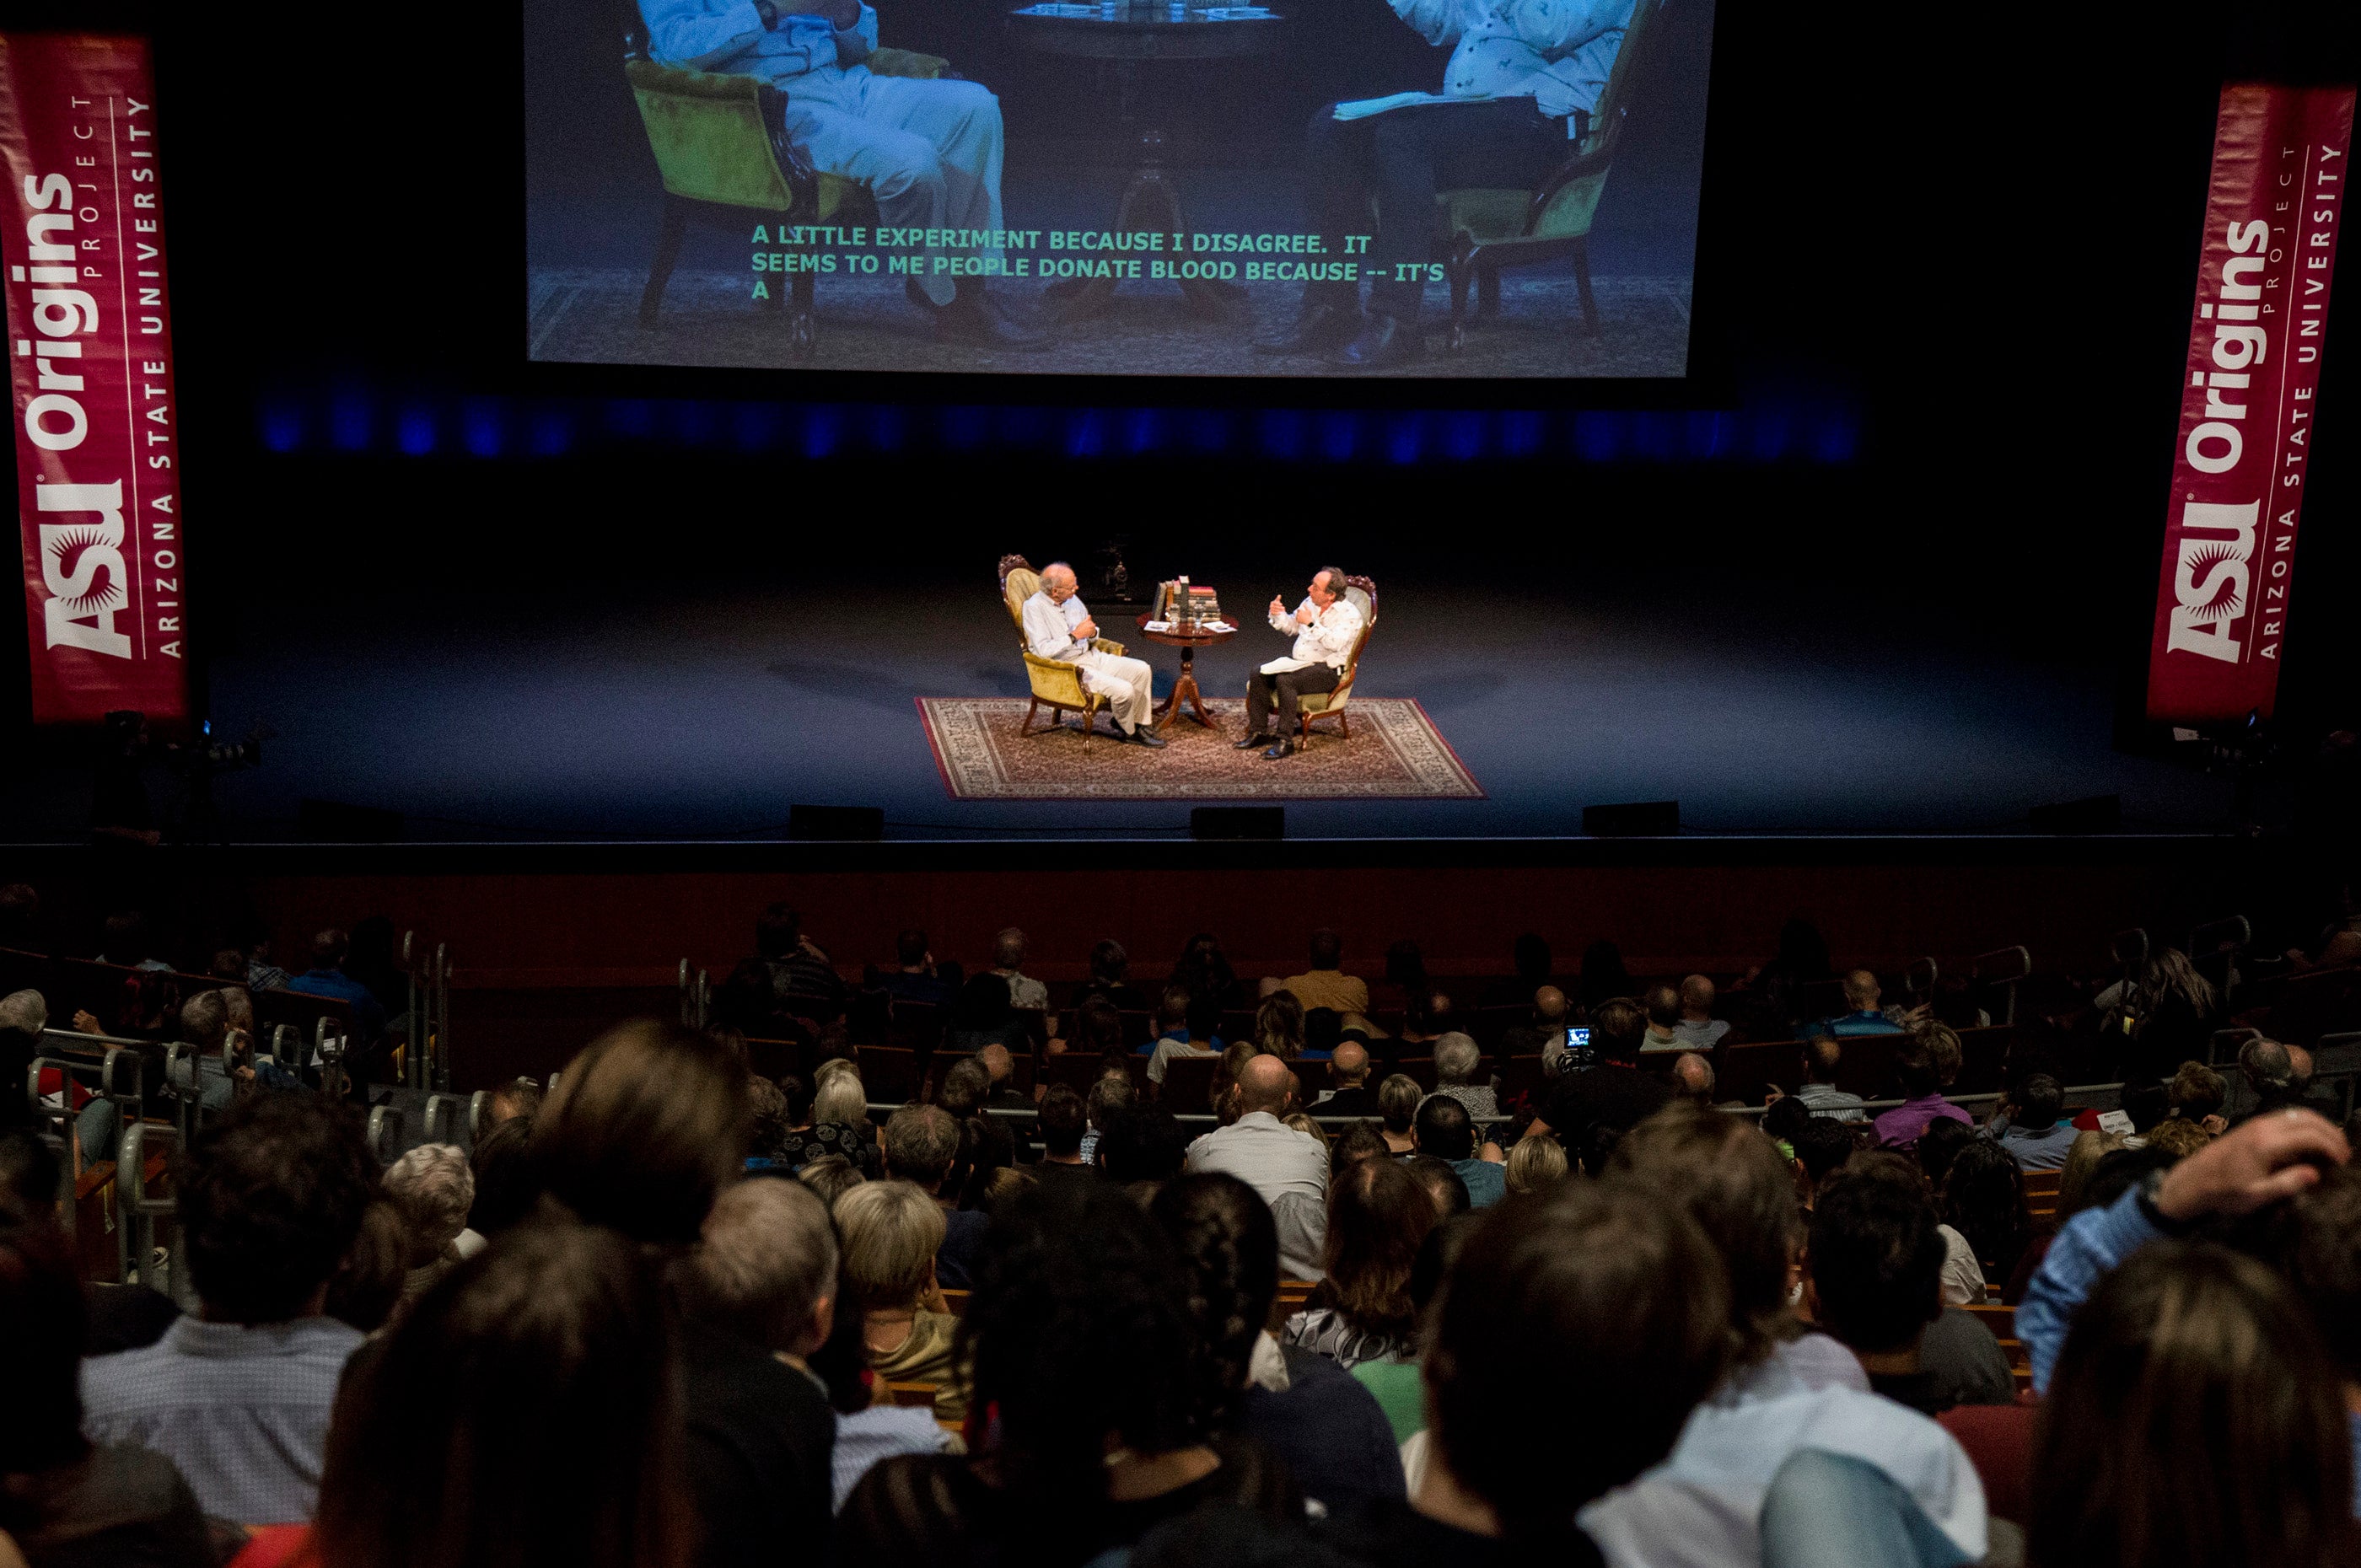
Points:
x=1058 y=626
x=1325 y=625
x=1258 y=1148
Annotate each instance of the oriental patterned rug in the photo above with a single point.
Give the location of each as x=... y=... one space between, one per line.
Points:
x=1395 y=754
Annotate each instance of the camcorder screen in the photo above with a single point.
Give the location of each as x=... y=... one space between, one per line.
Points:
x=1464 y=189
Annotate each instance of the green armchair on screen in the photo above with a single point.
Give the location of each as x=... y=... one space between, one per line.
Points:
x=1054 y=683
x=1513 y=226
x=723 y=150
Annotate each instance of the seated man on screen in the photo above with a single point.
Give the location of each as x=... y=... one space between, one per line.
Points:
x=1325 y=626
x=929 y=151
x=1522 y=82
x=1057 y=626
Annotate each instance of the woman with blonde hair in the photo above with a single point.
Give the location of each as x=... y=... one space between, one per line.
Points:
x=1302 y=1123
x=1536 y=1164
x=890 y=1231
x=841 y=1123
x=1398 y=1100
x=1279 y=1025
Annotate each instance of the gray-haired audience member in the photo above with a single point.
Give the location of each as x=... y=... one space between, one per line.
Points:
x=1693 y=1077
x=1698 y=1028
x=1457 y=1059
x=921 y=1141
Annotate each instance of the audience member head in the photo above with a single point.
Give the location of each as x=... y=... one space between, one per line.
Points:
x=2197 y=1092
x=841 y=1100
x=1456 y=1058
x=1940 y=1145
x=2175 y=1136
x=1443 y=1129
x=645 y=1126
x=1264 y=1083
x=1225 y=1234
x=1109 y=962
x=1822 y=1056
x=1445 y=1185
x=1630 y=1300
x=1326 y=949
x=1861 y=990
x=439 y=1453
x=1279 y=1026
x=777 y=930
x=205 y=1021
x=1549 y=1007
x=766 y=1267
x=1618 y=1027
x=517 y=1097
x=1173 y=1010
x=966 y=1085
x=796 y=1102
x=1061 y=1121
x=1729 y=1178
x=910 y=947
x=1693 y=1077
x=890 y=1231
x=1535 y=1165
x=1357 y=1143
x=434 y=1189
x=1379 y=1212
x=1784 y=1117
x=1697 y=996
x=921 y=1141
x=1144 y=1144
x=768 y=1110
x=1350 y=1065
x=1398 y=1100
x=373 y=1275
x=2194 y=1418
x=1303 y=1122
x=1008 y=949
x=1876 y=1256
x=1664 y=1005
x=1983 y=1199
x=2300 y=1069
x=329 y=948
x=507 y=1186
x=1084 y=1340
x=1918 y=1059
x=1111 y=1094
x=2038 y=1101
x=1821 y=1146
x=829 y=1177
x=2267 y=1070
x=1098 y=1028
x=999 y=1067
x=271 y=1195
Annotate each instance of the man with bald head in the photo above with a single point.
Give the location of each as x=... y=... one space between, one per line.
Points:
x=1664 y=1005
x=1698 y=1028
x=1863 y=1014
x=1257 y=1147
x=1693 y=1077
x=1545 y=1033
x=1352 y=1096
x=1058 y=626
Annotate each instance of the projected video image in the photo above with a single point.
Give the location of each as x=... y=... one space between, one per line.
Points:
x=1491 y=188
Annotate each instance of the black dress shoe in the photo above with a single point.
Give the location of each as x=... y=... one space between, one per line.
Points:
x=1251 y=741
x=1384 y=341
x=1284 y=749
x=1318 y=329
x=1143 y=736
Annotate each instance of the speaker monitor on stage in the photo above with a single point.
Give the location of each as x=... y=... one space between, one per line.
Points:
x=1238 y=822
x=1641 y=819
x=837 y=823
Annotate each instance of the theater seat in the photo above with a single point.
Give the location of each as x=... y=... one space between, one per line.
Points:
x=1491 y=228
x=1999 y=1440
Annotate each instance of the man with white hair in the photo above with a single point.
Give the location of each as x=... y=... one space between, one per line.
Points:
x=433 y=1187
x=1693 y=1077
x=1059 y=626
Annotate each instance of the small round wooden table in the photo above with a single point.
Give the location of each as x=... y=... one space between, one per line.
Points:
x=1184 y=690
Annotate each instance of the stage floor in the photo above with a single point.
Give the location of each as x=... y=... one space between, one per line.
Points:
x=706 y=714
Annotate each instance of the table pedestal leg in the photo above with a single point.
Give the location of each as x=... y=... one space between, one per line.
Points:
x=1184 y=695
x=1151 y=204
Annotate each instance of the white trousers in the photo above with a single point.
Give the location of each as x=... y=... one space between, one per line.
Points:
x=1124 y=683
x=928 y=151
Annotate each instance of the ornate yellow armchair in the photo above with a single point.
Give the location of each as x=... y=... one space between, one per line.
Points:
x=1331 y=703
x=1055 y=682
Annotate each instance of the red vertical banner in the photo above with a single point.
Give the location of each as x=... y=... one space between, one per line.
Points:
x=2282 y=159
x=90 y=360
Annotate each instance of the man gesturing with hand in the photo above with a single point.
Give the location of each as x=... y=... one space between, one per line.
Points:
x=1326 y=625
